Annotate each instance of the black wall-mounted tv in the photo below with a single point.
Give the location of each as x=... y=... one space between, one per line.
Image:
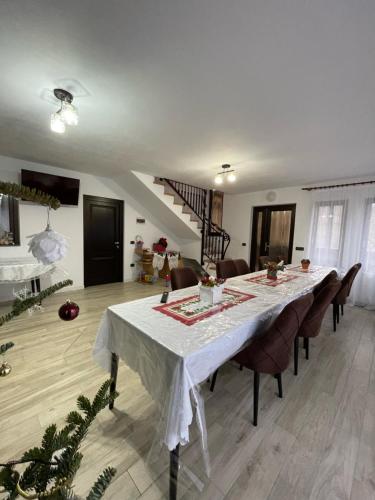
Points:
x=65 y=189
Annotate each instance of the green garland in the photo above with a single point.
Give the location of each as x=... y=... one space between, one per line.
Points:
x=21 y=305
x=54 y=464
x=5 y=347
x=25 y=193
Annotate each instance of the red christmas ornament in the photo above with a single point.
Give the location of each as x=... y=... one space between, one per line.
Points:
x=69 y=311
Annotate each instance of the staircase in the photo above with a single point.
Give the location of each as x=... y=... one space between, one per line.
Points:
x=194 y=202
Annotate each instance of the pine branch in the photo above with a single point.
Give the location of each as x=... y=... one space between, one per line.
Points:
x=25 y=193
x=4 y=347
x=21 y=305
x=53 y=466
x=101 y=484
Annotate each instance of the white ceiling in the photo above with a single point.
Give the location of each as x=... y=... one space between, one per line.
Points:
x=284 y=89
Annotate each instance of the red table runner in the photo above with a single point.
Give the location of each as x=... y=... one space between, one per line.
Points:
x=190 y=310
x=263 y=280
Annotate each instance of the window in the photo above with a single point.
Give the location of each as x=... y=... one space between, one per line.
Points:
x=368 y=240
x=9 y=227
x=327 y=232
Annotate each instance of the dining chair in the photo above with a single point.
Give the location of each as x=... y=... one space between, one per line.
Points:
x=241 y=267
x=183 y=278
x=343 y=293
x=226 y=269
x=270 y=352
x=319 y=287
x=312 y=322
x=263 y=261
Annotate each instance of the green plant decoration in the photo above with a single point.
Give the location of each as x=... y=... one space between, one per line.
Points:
x=21 y=305
x=25 y=193
x=52 y=466
x=5 y=347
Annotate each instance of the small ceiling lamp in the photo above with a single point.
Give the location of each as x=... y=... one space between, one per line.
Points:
x=66 y=115
x=225 y=174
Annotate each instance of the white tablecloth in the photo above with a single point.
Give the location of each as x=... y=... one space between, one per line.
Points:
x=20 y=269
x=173 y=358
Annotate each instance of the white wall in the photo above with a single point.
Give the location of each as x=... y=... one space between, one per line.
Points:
x=69 y=220
x=237 y=219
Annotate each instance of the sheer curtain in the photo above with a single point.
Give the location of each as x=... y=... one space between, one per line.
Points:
x=342 y=233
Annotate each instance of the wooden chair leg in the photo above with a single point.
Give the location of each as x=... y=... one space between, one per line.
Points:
x=338 y=314
x=212 y=386
x=342 y=309
x=256 y=397
x=279 y=384
x=296 y=347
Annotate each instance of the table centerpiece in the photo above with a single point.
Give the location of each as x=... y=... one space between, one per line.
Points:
x=211 y=289
x=273 y=268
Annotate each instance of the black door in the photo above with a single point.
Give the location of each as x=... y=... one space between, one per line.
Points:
x=272 y=234
x=103 y=221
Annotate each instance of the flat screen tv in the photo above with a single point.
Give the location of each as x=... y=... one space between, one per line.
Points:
x=65 y=189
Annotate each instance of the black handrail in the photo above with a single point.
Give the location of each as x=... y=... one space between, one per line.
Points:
x=215 y=240
x=194 y=197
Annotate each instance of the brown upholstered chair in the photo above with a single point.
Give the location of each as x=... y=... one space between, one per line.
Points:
x=241 y=266
x=319 y=287
x=270 y=352
x=313 y=320
x=183 y=278
x=343 y=293
x=226 y=269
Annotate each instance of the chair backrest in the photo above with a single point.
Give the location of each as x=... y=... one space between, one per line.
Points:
x=263 y=260
x=346 y=283
x=183 y=278
x=225 y=269
x=313 y=320
x=330 y=277
x=241 y=266
x=270 y=352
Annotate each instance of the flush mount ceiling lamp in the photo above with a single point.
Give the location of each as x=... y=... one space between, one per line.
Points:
x=66 y=115
x=226 y=174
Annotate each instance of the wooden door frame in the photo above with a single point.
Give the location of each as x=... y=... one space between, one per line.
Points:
x=266 y=226
x=101 y=199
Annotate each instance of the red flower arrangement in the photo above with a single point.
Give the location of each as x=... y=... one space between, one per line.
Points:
x=211 y=281
x=160 y=246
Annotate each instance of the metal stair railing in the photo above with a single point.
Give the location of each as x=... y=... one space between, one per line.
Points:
x=215 y=240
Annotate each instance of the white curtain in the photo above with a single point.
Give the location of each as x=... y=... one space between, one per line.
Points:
x=342 y=233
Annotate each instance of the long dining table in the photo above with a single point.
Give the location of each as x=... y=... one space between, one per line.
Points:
x=176 y=346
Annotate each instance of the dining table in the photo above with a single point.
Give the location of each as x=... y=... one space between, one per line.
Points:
x=177 y=345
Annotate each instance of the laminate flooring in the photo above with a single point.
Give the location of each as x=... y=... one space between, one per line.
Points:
x=318 y=442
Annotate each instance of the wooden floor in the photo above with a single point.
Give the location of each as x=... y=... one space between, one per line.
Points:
x=318 y=442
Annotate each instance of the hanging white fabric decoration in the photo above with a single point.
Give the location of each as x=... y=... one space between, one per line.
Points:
x=48 y=246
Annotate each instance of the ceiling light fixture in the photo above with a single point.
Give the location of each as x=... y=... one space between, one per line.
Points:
x=66 y=115
x=225 y=174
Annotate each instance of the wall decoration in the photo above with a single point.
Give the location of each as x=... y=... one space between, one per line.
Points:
x=48 y=246
x=27 y=194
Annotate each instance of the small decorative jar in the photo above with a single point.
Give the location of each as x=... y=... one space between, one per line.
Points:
x=211 y=290
x=211 y=294
x=305 y=263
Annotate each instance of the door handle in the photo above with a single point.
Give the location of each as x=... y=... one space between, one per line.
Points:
x=266 y=247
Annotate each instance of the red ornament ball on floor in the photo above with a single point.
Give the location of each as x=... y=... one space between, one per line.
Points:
x=69 y=311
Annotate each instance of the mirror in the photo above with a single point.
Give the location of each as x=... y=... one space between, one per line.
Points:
x=9 y=221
